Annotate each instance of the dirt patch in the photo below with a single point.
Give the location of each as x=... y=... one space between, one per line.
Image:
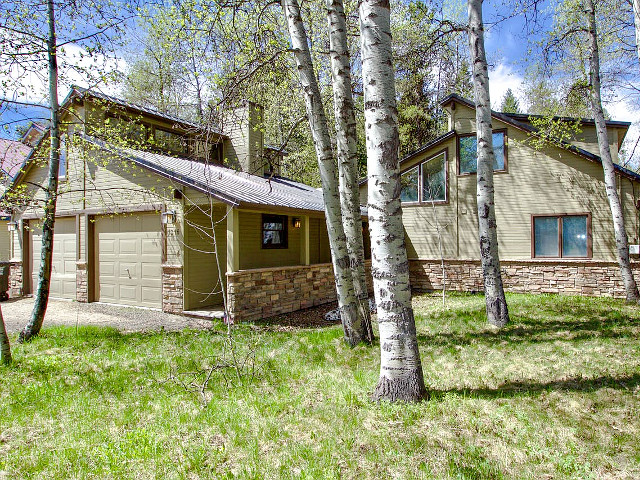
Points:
x=307 y=318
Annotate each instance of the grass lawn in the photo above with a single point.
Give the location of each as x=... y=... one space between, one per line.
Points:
x=554 y=395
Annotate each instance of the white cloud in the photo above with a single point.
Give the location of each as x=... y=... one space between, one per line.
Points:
x=501 y=78
x=76 y=67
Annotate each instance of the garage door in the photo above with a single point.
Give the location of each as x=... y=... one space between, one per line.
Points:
x=63 y=265
x=128 y=260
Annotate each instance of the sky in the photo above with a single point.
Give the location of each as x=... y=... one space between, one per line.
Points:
x=505 y=43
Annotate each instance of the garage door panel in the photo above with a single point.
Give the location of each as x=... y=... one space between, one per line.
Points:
x=129 y=259
x=63 y=262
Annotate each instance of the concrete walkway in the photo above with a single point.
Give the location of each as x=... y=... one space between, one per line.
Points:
x=16 y=314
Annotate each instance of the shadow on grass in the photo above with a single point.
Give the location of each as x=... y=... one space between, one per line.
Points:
x=521 y=388
x=584 y=324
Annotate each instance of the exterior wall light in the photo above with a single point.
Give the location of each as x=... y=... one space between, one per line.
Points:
x=12 y=226
x=295 y=221
x=168 y=218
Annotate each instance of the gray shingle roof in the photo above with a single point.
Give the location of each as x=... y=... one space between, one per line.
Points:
x=227 y=185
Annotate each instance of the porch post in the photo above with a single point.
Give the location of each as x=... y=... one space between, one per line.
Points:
x=233 y=240
x=305 y=258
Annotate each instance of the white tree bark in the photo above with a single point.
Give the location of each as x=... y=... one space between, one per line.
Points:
x=497 y=311
x=622 y=242
x=636 y=21
x=401 y=375
x=44 y=278
x=347 y=301
x=346 y=141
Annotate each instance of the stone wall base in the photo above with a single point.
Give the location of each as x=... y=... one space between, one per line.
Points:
x=265 y=292
x=82 y=282
x=15 y=280
x=172 y=289
x=570 y=277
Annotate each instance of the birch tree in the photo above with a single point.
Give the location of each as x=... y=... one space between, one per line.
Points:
x=31 y=47
x=5 y=346
x=346 y=142
x=622 y=241
x=401 y=377
x=354 y=328
x=496 y=304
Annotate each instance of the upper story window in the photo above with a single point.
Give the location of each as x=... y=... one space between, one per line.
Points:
x=62 y=165
x=126 y=130
x=426 y=182
x=561 y=236
x=170 y=141
x=274 y=231
x=468 y=153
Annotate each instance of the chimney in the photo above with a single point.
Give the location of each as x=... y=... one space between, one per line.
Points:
x=243 y=150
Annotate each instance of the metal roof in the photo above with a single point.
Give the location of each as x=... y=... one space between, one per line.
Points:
x=227 y=185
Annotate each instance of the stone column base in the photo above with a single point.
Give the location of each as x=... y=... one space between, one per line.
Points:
x=172 y=289
x=82 y=282
x=16 y=286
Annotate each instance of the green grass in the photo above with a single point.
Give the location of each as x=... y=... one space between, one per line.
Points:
x=554 y=395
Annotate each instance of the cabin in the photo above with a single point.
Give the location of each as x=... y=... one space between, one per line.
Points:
x=155 y=211
x=555 y=230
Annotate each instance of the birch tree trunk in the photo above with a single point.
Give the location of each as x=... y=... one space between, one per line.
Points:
x=347 y=301
x=636 y=21
x=346 y=140
x=44 y=278
x=622 y=242
x=497 y=311
x=401 y=375
x=5 y=346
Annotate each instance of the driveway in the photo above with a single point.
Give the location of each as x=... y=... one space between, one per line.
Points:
x=17 y=312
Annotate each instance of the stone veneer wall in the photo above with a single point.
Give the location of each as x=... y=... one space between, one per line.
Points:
x=82 y=282
x=15 y=280
x=571 y=277
x=172 y=289
x=265 y=292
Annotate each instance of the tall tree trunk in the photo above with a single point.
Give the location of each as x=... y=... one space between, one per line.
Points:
x=5 y=346
x=622 y=242
x=497 y=311
x=42 y=293
x=346 y=140
x=636 y=21
x=401 y=375
x=347 y=301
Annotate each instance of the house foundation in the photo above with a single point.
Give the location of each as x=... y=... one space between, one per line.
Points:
x=570 y=277
x=15 y=280
x=82 y=282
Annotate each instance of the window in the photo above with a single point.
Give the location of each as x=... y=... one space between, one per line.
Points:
x=409 y=182
x=468 y=153
x=562 y=236
x=170 y=141
x=274 y=231
x=62 y=166
x=426 y=182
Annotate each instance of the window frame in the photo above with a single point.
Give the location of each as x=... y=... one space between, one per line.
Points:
x=285 y=230
x=559 y=217
x=421 y=201
x=506 y=150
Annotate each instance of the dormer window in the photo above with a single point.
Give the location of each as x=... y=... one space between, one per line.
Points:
x=170 y=141
x=468 y=153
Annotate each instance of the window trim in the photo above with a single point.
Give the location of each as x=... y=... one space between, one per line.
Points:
x=418 y=165
x=559 y=216
x=285 y=221
x=506 y=154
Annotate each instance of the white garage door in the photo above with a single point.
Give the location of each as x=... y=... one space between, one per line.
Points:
x=63 y=264
x=128 y=259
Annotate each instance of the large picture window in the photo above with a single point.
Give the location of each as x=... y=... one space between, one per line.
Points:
x=561 y=236
x=426 y=182
x=274 y=231
x=468 y=153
